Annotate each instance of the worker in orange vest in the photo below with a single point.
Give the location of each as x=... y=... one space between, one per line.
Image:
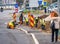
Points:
x=29 y=14
x=14 y=16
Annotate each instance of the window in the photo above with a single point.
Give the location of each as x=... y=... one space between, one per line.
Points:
x=14 y=0
x=54 y=1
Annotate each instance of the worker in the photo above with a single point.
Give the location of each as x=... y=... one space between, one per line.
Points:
x=36 y=20
x=11 y=25
x=21 y=18
x=42 y=22
x=26 y=21
x=14 y=16
x=29 y=15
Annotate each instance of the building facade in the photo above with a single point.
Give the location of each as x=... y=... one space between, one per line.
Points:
x=50 y=1
x=0 y=1
x=9 y=1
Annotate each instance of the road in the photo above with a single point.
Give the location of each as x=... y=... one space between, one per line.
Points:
x=17 y=36
x=10 y=36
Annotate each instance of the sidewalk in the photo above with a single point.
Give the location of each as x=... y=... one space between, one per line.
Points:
x=39 y=36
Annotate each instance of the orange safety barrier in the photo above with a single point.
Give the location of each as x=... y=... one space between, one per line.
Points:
x=32 y=21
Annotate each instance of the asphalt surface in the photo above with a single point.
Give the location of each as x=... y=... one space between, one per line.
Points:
x=10 y=36
x=42 y=37
x=45 y=38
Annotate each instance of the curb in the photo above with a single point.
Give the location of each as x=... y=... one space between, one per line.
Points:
x=33 y=36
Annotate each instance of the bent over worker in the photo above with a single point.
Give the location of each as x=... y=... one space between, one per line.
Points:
x=11 y=25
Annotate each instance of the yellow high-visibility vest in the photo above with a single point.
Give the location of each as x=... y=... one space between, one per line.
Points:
x=26 y=19
x=11 y=24
x=42 y=21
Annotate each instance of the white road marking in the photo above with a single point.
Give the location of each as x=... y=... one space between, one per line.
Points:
x=34 y=38
x=24 y=30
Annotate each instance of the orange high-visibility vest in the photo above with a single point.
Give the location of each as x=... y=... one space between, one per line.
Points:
x=14 y=17
x=29 y=15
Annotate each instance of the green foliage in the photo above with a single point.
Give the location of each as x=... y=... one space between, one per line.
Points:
x=26 y=11
x=33 y=11
x=19 y=0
